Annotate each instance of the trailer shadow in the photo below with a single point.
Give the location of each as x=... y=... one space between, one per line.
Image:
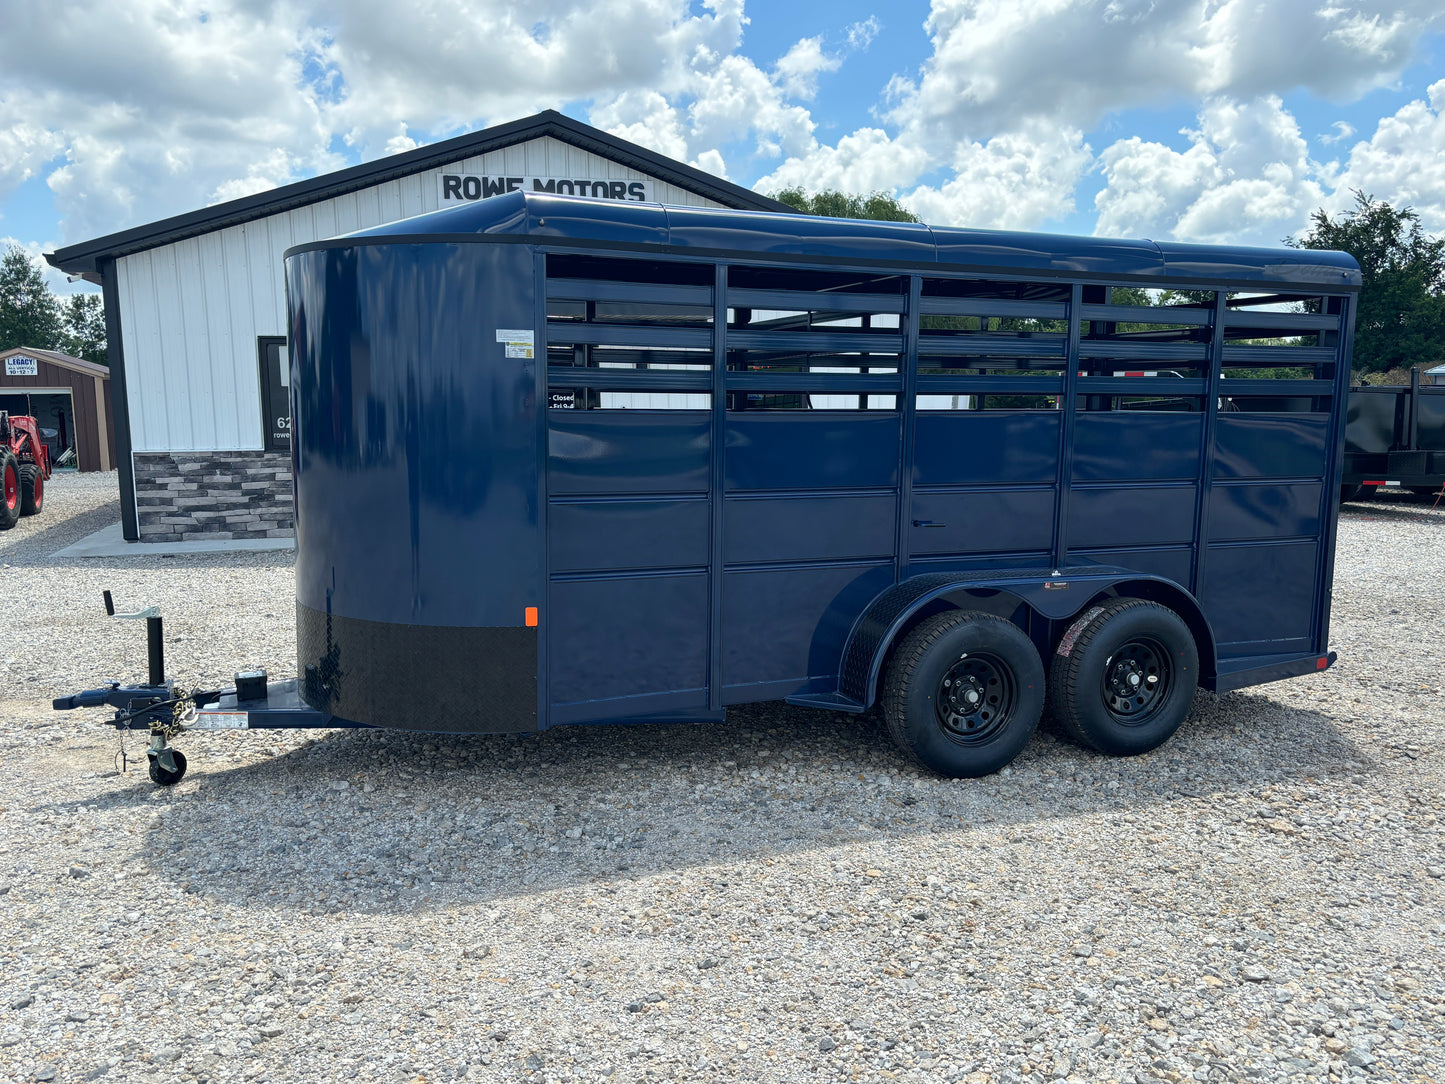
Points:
x=387 y=822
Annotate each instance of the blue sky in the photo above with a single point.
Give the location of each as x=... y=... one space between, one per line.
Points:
x=1215 y=120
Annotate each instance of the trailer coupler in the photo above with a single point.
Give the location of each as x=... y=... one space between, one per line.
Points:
x=162 y=709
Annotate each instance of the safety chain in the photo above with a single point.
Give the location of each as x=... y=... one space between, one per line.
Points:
x=181 y=712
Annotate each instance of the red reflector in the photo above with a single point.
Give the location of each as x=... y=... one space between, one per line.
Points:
x=1321 y=663
x=1372 y=483
x=531 y=613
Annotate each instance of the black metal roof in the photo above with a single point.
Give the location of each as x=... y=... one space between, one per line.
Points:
x=82 y=259
x=541 y=217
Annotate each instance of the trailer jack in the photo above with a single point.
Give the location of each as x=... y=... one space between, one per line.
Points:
x=158 y=706
x=166 y=711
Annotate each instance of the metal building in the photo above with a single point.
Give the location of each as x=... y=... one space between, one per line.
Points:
x=195 y=308
x=69 y=397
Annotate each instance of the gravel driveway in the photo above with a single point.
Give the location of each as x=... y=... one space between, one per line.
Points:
x=776 y=899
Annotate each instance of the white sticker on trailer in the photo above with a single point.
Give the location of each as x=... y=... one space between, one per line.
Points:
x=20 y=365
x=519 y=342
x=221 y=720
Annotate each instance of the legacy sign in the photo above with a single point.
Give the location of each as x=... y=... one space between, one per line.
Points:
x=20 y=365
x=465 y=187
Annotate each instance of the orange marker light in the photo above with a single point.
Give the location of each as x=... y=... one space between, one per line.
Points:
x=531 y=613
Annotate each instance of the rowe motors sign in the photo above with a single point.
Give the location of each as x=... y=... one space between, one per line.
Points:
x=465 y=187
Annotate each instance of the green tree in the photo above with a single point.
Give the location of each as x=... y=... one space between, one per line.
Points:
x=831 y=203
x=84 y=334
x=1400 y=319
x=29 y=313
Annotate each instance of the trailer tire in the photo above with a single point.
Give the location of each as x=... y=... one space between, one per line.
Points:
x=1000 y=676
x=163 y=778
x=1124 y=677
x=32 y=490
x=9 y=490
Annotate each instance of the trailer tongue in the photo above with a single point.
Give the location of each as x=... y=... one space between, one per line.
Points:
x=165 y=710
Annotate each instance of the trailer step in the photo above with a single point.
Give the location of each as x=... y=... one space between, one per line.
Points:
x=827 y=701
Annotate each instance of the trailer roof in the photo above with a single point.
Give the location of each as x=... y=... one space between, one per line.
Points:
x=541 y=217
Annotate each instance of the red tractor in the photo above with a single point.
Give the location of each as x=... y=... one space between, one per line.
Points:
x=24 y=467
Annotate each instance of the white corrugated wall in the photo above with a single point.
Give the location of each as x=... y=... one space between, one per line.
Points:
x=191 y=312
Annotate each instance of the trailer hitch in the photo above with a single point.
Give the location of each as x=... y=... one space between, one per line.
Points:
x=159 y=706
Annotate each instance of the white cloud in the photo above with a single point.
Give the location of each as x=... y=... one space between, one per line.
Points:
x=462 y=63
x=867 y=160
x=738 y=97
x=1403 y=163
x=1245 y=177
x=797 y=72
x=861 y=34
x=154 y=109
x=400 y=142
x=996 y=65
x=135 y=111
x=1017 y=180
x=644 y=117
x=25 y=147
x=156 y=106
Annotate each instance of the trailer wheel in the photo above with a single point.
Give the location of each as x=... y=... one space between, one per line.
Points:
x=9 y=490
x=163 y=778
x=964 y=693
x=1124 y=677
x=32 y=490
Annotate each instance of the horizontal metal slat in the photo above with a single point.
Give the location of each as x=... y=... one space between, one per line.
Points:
x=1278 y=355
x=1155 y=387
x=1277 y=388
x=974 y=345
x=977 y=306
x=1151 y=352
x=841 y=383
x=628 y=335
x=1299 y=321
x=1143 y=314
x=989 y=385
x=809 y=342
x=628 y=379
x=804 y=301
x=596 y=290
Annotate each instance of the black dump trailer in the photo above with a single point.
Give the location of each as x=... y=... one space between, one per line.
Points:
x=1394 y=438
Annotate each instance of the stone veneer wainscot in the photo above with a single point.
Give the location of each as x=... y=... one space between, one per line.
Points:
x=183 y=497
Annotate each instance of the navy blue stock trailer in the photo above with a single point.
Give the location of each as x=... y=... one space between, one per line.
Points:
x=562 y=461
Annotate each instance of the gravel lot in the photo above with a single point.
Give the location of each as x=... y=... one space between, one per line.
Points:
x=776 y=899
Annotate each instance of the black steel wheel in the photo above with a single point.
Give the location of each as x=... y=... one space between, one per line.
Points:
x=164 y=778
x=9 y=490
x=1124 y=676
x=32 y=490
x=963 y=693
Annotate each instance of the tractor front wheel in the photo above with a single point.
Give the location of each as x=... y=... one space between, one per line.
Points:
x=32 y=490
x=9 y=490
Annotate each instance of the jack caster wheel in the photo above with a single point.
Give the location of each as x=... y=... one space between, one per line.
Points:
x=161 y=777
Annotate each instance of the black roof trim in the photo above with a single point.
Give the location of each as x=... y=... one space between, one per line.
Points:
x=84 y=258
